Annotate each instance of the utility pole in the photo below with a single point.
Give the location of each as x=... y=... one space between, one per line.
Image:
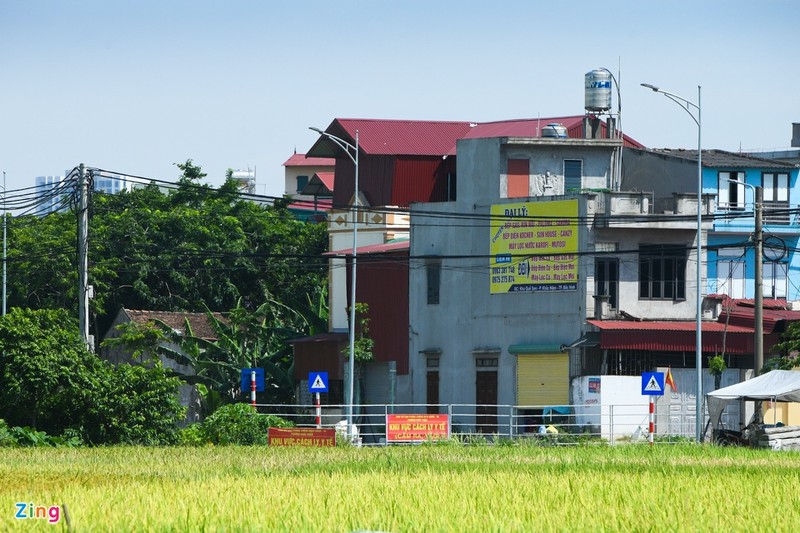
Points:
x=83 y=257
x=758 y=344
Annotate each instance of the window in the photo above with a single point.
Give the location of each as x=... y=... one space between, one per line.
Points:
x=302 y=181
x=731 y=195
x=606 y=278
x=775 y=276
x=662 y=272
x=433 y=270
x=776 y=197
x=730 y=272
x=518 y=178
x=573 y=174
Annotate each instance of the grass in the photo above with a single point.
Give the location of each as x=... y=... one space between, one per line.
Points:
x=400 y=489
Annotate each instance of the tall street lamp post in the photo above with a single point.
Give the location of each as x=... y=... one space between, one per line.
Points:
x=352 y=152
x=694 y=111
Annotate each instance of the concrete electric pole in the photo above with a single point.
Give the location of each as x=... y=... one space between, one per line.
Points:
x=83 y=256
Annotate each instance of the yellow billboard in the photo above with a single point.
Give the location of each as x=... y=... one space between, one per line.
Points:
x=534 y=247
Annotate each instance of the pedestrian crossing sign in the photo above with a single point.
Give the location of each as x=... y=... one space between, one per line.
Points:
x=317 y=382
x=653 y=383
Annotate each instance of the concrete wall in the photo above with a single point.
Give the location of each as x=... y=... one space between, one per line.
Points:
x=469 y=322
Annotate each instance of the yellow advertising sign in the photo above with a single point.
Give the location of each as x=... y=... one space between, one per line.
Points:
x=534 y=247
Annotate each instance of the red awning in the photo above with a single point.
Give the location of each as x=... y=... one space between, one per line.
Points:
x=673 y=336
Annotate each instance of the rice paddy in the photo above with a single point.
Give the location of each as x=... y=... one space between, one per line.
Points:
x=402 y=489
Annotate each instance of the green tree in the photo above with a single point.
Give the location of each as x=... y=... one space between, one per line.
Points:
x=51 y=382
x=187 y=249
x=788 y=348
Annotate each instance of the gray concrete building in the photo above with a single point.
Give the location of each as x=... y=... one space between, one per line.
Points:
x=504 y=281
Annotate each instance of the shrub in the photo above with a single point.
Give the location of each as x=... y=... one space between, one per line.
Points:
x=238 y=423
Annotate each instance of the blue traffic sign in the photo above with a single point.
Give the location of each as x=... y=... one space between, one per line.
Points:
x=246 y=379
x=317 y=382
x=653 y=383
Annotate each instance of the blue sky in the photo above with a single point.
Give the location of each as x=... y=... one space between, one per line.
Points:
x=137 y=86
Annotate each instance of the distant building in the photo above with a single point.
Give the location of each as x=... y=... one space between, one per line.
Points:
x=52 y=193
x=50 y=201
x=299 y=170
x=245 y=180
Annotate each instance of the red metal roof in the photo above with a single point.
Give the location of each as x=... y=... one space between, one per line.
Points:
x=310 y=205
x=300 y=160
x=532 y=127
x=393 y=246
x=666 y=325
x=327 y=178
x=437 y=138
x=664 y=336
x=742 y=312
x=394 y=137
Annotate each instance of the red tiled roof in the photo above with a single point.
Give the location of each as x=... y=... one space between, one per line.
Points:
x=201 y=326
x=300 y=160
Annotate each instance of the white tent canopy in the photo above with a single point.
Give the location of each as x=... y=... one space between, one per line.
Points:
x=778 y=385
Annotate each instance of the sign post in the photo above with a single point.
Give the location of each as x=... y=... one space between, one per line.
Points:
x=652 y=385
x=253 y=388
x=318 y=382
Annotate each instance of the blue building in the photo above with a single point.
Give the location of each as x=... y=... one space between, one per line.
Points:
x=732 y=179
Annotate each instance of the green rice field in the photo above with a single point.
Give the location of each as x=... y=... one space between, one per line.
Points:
x=402 y=489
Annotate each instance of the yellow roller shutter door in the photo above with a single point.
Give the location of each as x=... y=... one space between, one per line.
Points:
x=543 y=379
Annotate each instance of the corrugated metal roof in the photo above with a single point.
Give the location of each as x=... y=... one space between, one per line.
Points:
x=393 y=137
x=434 y=138
x=665 y=336
x=666 y=325
x=396 y=245
x=320 y=184
x=532 y=127
x=327 y=178
x=742 y=312
x=723 y=159
x=300 y=160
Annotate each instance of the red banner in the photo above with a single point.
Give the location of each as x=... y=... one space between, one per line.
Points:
x=302 y=437
x=414 y=428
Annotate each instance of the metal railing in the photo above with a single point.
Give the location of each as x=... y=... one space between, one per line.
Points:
x=567 y=424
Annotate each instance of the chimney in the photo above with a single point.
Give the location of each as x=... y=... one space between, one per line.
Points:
x=795 y=134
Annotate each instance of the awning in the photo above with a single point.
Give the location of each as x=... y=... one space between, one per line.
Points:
x=534 y=348
x=673 y=336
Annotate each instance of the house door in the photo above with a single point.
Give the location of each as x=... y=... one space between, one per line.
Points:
x=486 y=398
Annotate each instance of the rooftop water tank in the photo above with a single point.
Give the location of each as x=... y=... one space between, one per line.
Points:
x=598 y=91
x=554 y=130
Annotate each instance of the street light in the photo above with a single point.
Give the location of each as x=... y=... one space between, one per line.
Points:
x=347 y=147
x=691 y=108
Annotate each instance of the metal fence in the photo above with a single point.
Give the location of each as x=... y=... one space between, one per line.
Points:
x=567 y=424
